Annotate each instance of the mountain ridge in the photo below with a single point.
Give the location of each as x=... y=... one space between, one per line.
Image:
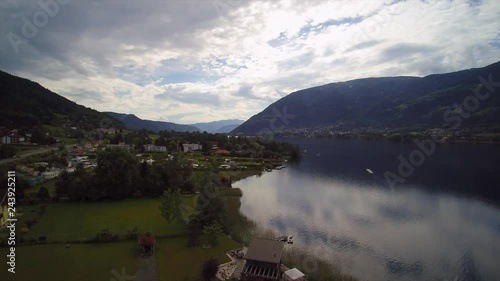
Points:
x=384 y=102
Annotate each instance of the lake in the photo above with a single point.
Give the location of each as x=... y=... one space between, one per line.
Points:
x=441 y=223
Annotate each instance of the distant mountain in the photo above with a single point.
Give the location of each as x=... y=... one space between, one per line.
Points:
x=133 y=122
x=227 y=128
x=222 y=126
x=26 y=104
x=391 y=102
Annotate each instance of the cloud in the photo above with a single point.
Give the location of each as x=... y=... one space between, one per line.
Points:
x=232 y=58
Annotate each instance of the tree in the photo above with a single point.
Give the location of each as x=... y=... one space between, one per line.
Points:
x=116 y=172
x=43 y=193
x=7 y=151
x=211 y=206
x=212 y=231
x=62 y=184
x=210 y=268
x=170 y=205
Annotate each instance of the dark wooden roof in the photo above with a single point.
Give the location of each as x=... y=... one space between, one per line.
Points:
x=265 y=250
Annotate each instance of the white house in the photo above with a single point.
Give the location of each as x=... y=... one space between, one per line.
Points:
x=11 y=139
x=51 y=173
x=154 y=148
x=191 y=146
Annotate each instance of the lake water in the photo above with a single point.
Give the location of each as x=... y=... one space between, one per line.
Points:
x=442 y=223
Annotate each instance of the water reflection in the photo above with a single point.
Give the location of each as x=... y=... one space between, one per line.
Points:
x=409 y=233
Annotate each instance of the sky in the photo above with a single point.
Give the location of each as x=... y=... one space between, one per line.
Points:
x=190 y=61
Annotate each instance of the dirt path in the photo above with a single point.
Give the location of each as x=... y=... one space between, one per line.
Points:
x=147 y=272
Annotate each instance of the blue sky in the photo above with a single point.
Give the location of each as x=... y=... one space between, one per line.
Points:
x=204 y=60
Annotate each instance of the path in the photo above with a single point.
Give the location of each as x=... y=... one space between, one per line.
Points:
x=147 y=272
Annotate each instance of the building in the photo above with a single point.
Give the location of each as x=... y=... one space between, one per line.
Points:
x=263 y=260
x=186 y=147
x=154 y=148
x=50 y=174
x=15 y=139
x=293 y=275
x=147 y=243
x=222 y=152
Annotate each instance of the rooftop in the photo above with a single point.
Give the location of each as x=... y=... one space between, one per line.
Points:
x=265 y=250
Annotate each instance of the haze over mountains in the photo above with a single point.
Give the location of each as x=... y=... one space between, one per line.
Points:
x=390 y=102
x=135 y=123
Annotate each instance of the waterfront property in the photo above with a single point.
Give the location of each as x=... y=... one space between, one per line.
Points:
x=263 y=260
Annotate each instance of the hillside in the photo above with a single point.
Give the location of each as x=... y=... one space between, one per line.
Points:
x=390 y=102
x=26 y=104
x=222 y=126
x=135 y=123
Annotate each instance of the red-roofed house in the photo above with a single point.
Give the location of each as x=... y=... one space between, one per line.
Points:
x=222 y=152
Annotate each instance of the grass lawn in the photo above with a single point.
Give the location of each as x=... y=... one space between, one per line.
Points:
x=68 y=141
x=49 y=184
x=80 y=262
x=177 y=262
x=76 y=221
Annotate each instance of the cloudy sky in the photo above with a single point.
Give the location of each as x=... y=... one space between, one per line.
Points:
x=203 y=60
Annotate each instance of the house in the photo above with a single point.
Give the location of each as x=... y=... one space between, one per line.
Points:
x=293 y=275
x=147 y=243
x=50 y=174
x=13 y=139
x=154 y=148
x=186 y=147
x=222 y=152
x=263 y=260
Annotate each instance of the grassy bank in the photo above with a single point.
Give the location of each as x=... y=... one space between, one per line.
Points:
x=80 y=262
x=76 y=221
x=176 y=262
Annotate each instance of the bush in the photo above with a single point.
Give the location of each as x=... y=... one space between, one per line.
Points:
x=42 y=210
x=105 y=236
x=29 y=223
x=131 y=234
x=210 y=268
x=42 y=238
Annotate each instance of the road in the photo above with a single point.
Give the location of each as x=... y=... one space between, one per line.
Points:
x=29 y=153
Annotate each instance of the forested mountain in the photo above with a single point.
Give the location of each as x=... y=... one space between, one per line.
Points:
x=26 y=104
x=135 y=123
x=390 y=102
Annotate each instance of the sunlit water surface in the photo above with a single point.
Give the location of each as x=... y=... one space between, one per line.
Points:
x=442 y=223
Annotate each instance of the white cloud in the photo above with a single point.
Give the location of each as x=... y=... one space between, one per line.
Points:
x=186 y=61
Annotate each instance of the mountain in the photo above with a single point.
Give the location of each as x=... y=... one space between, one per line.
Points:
x=135 y=123
x=222 y=126
x=390 y=102
x=227 y=128
x=26 y=104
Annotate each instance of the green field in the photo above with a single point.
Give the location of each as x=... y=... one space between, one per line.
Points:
x=79 y=262
x=76 y=221
x=49 y=184
x=176 y=262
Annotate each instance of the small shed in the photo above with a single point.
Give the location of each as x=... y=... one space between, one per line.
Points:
x=294 y=275
x=148 y=243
